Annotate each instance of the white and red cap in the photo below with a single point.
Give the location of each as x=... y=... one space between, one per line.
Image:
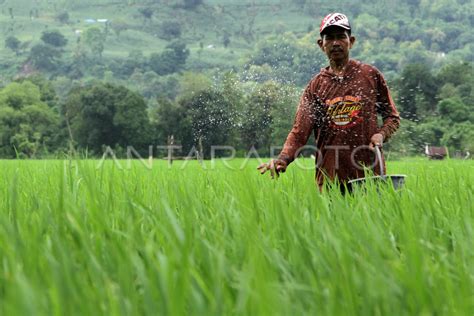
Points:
x=335 y=19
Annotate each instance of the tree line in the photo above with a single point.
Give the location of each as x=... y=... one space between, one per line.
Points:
x=36 y=122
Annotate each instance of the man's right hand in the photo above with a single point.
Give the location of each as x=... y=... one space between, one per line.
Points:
x=275 y=166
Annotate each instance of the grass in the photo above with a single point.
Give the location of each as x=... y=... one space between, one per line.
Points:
x=77 y=239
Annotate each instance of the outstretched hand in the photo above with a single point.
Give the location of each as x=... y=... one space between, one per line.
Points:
x=275 y=166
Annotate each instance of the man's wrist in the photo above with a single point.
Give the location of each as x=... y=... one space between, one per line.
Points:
x=284 y=158
x=383 y=135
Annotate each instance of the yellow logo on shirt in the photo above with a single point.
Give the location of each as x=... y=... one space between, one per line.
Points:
x=344 y=111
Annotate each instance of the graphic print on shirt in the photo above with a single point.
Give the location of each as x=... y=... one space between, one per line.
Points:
x=344 y=112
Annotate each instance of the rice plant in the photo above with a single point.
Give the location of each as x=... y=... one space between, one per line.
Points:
x=93 y=238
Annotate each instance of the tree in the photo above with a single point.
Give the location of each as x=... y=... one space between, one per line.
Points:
x=232 y=90
x=47 y=90
x=456 y=73
x=45 y=57
x=414 y=53
x=207 y=116
x=193 y=83
x=291 y=60
x=124 y=68
x=54 y=38
x=94 y=38
x=170 y=118
x=257 y=119
x=417 y=91
x=150 y=85
x=27 y=125
x=170 y=30
x=181 y=53
x=171 y=60
x=211 y=116
x=131 y=118
x=367 y=25
x=19 y=95
x=13 y=43
x=163 y=63
x=275 y=52
x=457 y=77
x=103 y=114
x=460 y=137
x=455 y=110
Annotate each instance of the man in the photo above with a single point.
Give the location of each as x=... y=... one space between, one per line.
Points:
x=340 y=105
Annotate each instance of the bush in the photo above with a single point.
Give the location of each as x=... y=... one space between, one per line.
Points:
x=13 y=43
x=54 y=38
x=170 y=30
x=62 y=17
x=171 y=60
x=45 y=57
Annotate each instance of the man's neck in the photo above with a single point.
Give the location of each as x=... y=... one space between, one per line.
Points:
x=338 y=66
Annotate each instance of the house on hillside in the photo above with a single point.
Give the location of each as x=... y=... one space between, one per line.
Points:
x=433 y=152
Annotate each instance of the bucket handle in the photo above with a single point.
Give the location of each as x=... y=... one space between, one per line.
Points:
x=379 y=159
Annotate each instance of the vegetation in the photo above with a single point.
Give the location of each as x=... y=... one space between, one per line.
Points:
x=88 y=237
x=102 y=114
x=54 y=38
x=154 y=48
x=13 y=43
x=171 y=60
x=119 y=78
x=28 y=125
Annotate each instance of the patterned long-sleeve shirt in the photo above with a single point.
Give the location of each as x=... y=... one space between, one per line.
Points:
x=342 y=112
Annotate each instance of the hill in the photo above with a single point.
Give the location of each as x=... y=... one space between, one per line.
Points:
x=187 y=60
x=224 y=34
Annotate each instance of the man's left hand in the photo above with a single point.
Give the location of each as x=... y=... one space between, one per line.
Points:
x=376 y=140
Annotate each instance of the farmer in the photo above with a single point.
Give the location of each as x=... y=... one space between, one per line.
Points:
x=340 y=105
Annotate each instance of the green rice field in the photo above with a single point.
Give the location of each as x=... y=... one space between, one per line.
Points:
x=92 y=238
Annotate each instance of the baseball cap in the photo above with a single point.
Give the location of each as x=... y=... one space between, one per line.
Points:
x=334 y=19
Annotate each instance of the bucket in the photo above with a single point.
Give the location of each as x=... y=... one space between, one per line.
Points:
x=397 y=180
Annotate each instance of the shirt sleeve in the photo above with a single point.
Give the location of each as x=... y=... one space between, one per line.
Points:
x=386 y=107
x=303 y=125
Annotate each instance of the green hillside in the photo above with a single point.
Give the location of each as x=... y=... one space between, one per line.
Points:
x=390 y=33
x=253 y=57
x=206 y=24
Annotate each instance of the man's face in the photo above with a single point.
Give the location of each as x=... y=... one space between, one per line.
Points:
x=336 y=43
